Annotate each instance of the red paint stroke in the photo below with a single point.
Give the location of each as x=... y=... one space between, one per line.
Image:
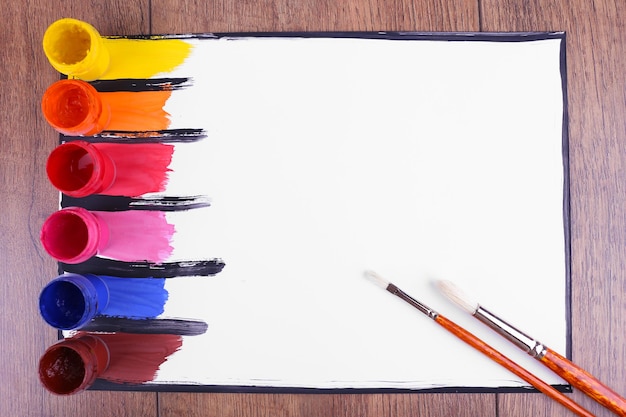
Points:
x=136 y=358
x=141 y=168
x=137 y=235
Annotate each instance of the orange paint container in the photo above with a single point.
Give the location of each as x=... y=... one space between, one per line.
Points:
x=75 y=108
x=75 y=48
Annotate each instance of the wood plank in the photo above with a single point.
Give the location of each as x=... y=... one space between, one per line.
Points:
x=317 y=15
x=364 y=405
x=29 y=199
x=596 y=57
x=176 y=16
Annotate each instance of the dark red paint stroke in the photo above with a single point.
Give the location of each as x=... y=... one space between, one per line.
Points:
x=136 y=358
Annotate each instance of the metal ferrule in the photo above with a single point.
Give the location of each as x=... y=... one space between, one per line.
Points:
x=406 y=297
x=517 y=337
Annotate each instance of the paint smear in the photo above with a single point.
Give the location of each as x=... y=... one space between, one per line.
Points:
x=137 y=111
x=136 y=358
x=97 y=265
x=122 y=203
x=137 y=235
x=141 y=169
x=136 y=85
x=143 y=58
x=155 y=136
x=141 y=298
x=179 y=327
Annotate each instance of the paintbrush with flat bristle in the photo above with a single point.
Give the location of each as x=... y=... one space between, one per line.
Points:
x=576 y=376
x=479 y=345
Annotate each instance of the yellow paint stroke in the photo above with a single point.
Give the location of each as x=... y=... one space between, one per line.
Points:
x=143 y=58
x=137 y=111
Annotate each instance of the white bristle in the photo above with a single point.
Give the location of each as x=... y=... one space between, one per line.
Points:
x=376 y=279
x=450 y=290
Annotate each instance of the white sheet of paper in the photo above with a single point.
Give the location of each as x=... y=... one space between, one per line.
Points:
x=421 y=160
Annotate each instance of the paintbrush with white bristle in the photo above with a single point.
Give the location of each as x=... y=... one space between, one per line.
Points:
x=479 y=345
x=576 y=376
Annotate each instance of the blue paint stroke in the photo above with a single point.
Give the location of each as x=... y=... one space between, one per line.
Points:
x=135 y=298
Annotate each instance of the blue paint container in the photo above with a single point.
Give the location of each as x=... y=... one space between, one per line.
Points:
x=70 y=301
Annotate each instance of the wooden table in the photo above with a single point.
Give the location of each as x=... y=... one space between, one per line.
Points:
x=596 y=59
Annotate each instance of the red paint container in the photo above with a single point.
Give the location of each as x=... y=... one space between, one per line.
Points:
x=75 y=108
x=72 y=365
x=79 y=168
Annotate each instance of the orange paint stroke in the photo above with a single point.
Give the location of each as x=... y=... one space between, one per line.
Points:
x=137 y=111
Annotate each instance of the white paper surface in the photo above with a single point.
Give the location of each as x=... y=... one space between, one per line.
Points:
x=421 y=160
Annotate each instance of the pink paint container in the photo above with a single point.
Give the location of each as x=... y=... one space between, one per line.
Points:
x=79 y=169
x=72 y=365
x=73 y=235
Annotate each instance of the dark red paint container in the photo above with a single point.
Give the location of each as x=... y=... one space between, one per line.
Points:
x=72 y=365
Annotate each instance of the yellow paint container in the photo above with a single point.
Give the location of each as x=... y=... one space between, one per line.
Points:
x=76 y=49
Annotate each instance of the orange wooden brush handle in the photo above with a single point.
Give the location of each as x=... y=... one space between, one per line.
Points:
x=498 y=357
x=584 y=381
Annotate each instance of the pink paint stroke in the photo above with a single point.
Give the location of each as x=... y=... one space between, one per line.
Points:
x=137 y=236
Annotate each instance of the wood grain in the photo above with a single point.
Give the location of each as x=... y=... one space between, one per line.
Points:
x=363 y=405
x=596 y=58
x=584 y=381
x=596 y=76
x=175 y=16
x=25 y=143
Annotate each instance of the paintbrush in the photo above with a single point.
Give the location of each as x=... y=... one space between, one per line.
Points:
x=576 y=376
x=479 y=345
